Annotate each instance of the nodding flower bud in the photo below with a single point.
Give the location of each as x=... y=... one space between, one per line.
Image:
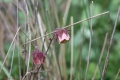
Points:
x=38 y=56
x=62 y=35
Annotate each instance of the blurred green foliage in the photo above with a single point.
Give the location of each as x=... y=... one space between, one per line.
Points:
x=80 y=9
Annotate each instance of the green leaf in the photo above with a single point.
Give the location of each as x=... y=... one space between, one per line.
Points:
x=5 y=71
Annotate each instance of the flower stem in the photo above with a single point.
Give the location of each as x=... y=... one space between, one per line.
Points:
x=37 y=72
x=51 y=39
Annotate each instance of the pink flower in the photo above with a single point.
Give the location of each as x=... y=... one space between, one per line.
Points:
x=38 y=56
x=62 y=35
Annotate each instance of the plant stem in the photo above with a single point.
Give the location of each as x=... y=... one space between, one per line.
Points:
x=37 y=72
x=109 y=47
x=69 y=26
x=51 y=39
x=50 y=43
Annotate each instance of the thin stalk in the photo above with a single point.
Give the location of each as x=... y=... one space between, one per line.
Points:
x=44 y=41
x=18 y=43
x=41 y=29
x=45 y=54
x=35 y=11
x=81 y=46
x=101 y=55
x=66 y=11
x=68 y=26
x=29 y=47
x=55 y=13
x=33 y=72
x=53 y=51
x=25 y=27
x=27 y=36
x=51 y=39
x=27 y=56
x=110 y=44
x=117 y=75
x=12 y=61
x=72 y=49
x=37 y=72
x=9 y=49
x=90 y=42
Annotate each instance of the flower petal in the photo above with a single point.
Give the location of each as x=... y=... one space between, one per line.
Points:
x=62 y=35
x=38 y=56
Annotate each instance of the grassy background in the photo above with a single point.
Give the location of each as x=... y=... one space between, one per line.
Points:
x=57 y=14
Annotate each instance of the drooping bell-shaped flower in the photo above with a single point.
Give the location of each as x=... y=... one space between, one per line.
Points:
x=38 y=56
x=62 y=35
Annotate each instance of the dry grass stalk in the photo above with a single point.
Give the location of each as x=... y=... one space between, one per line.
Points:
x=69 y=26
x=110 y=44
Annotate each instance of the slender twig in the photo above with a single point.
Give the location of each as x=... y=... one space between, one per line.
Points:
x=25 y=27
x=29 y=47
x=66 y=11
x=50 y=28
x=41 y=32
x=9 y=49
x=51 y=39
x=55 y=13
x=101 y=55
x=12 y=60
x=57 y=65
x=18 y=43
x=62 y=62
x=117 y=75
x=72 y=46
x=103 y=48
x=41 y=29
x=26 y=36
x=81 y=51
x=33 y=72
x=44 y=41
x=35 y=12
x=37 y=71
x=69 y=26
x=90 y=42
x=29 y=36
x=17 y=12
x=81 y=55
x=53 y=51
x=33 y=65
x=110 y=44
x=45 y=54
